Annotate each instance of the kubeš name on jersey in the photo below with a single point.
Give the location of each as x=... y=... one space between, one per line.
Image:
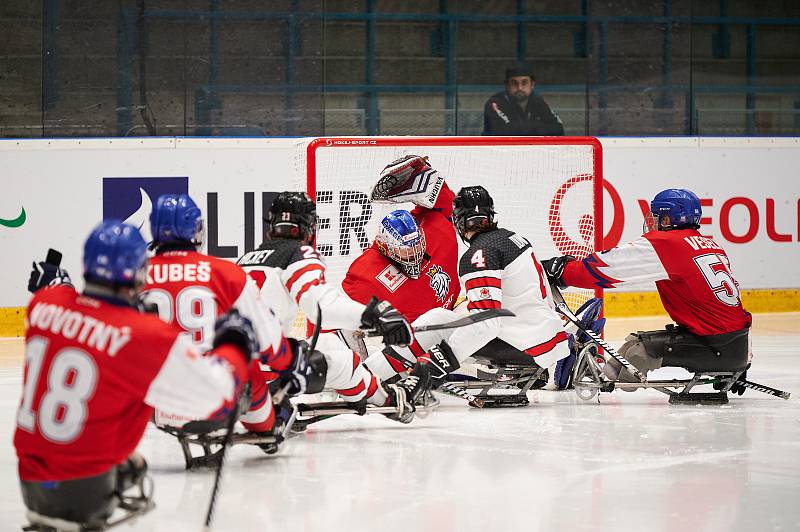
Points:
x=172 y=273
x=701 y=242
x=255 y=257
x=87 y=330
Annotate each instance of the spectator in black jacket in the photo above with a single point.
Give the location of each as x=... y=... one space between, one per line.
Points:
x=517 y=111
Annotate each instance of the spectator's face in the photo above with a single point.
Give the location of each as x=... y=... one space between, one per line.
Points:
x=519 y=87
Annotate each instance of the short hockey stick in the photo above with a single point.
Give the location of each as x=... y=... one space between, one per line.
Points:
x=562 y=307
x=475 y=317
x=225 y=444
x=232 y=417
x=765 y=389
x=753 y=386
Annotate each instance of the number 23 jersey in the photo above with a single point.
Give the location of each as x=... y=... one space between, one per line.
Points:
x=692 y=274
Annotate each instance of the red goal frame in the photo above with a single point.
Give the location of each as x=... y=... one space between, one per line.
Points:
x=345 y=142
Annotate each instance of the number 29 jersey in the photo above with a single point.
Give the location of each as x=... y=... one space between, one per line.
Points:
x=692 y=274
x=191 y=290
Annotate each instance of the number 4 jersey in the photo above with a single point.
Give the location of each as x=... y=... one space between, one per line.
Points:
x=692 y=274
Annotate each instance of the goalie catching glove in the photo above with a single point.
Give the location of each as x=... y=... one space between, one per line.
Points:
x=408 y=179
x=384 y=319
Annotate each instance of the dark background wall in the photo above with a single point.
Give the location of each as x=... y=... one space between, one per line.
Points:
x=328 y=67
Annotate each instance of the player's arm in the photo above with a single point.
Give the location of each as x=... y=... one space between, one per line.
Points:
x=304 y=280
x=481 y=273
x=190 y=384
x=634 y=262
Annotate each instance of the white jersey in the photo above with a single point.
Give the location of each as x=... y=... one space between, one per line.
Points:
x=291 y=275
x=499 y=270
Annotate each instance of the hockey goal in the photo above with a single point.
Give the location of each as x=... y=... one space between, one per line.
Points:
x=548 y=189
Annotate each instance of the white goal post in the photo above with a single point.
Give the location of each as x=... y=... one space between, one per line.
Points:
x=548 y=189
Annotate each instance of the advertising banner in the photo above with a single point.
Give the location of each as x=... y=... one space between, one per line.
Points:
x=55 y=191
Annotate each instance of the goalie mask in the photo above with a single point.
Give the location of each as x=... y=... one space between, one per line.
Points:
x=674 y=208
x=473 y=210
x=293 y=215
x=402 y=241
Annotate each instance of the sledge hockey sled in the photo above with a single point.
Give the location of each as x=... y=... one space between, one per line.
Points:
x=589 y=380
x=510 y=374
x=207 y=437
x=310 y=413
x=132 y=507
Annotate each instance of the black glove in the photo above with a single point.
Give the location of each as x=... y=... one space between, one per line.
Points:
x=234 y=329
x=388 y=322
x=738 y=386
x=306 y=372
x=46 y=274
x=554 y=269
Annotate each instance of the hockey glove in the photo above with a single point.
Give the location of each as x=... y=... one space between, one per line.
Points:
x=408 y=179
x=48 y=273
x=442 y=361
x=234 y=329
x=306 y=372
x=554 y=269
x=383 y=318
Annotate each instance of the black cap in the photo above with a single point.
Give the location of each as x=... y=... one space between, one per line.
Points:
x=520 y=69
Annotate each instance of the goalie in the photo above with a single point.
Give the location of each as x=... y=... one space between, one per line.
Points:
x=694 y=280
x=413 y=262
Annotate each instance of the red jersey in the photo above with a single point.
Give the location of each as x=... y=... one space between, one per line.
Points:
x=93 y=373
x=692 y=274
x=191 y=290
x=374 y=274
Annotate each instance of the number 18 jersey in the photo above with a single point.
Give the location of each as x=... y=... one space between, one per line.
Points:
x=692 y=274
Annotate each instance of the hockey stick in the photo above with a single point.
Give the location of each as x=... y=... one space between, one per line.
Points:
x=562 y=307
x=225 y=444
x=765 y=389
x=233 y=416
x=476 y=317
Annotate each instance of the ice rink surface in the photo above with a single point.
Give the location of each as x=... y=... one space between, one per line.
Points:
x=632 y=462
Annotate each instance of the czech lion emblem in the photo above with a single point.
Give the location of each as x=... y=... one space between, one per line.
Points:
x=440 y=281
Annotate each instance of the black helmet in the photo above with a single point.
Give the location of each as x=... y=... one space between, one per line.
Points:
x=292 y=215
x=473 y=210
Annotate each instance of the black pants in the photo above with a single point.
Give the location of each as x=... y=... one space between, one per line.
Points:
x=499 y=351
x=679 y=348
x=89 y=500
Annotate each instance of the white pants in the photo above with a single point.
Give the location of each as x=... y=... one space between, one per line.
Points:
x=465 y=341
x=346 y=375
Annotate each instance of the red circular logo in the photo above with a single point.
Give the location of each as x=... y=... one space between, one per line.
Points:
x=586 y=222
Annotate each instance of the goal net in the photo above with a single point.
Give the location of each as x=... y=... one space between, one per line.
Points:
x=548 y=189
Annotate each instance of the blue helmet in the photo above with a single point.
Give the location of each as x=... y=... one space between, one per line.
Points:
x=115 y=253
x=176 y=218
x=676 y=208
x=402 y=240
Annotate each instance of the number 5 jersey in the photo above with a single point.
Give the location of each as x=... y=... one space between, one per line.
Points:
x=692 y=274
